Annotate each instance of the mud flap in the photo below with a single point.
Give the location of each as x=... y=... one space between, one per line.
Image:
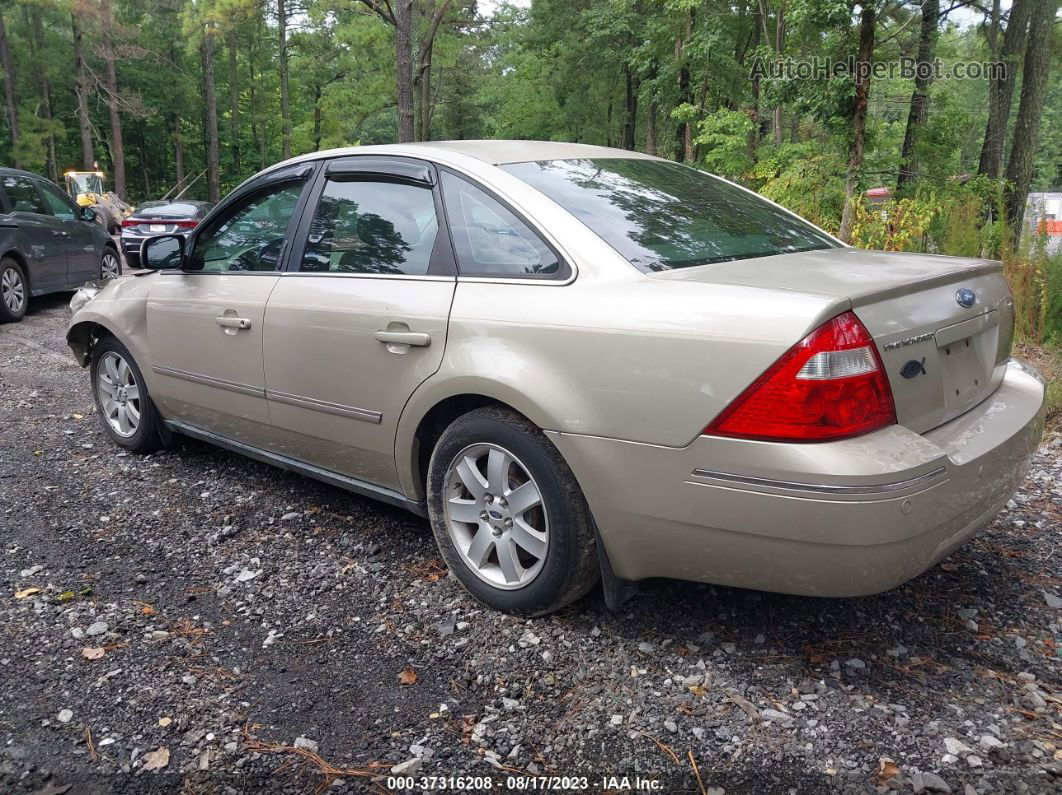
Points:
x=617 y=591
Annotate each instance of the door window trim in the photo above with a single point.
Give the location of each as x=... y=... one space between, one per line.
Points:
x=566 y=273
x=256 y=187
x=378 y=168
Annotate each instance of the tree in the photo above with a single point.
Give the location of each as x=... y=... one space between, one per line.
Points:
x=864 y=59
x=210 y=109
x=282 y=67
x=1001 y=89
x=9 y=90
x=81 y=91
x=113 y=99
x=1038 y=59
x=916 y=117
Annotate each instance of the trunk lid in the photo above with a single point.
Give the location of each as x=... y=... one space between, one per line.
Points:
x=941 y=357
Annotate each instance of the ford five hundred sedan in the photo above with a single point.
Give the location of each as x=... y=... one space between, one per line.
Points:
x=579 y=363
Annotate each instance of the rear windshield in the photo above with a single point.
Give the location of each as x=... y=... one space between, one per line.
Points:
x=168 y=210
x=662 y=215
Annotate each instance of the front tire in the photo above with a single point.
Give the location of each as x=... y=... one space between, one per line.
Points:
x=122 y=399
x=14 y=292
x=509 y=518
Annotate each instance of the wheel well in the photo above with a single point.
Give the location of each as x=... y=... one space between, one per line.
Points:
x=82 y=337
x=436 y=421
x=13 y=254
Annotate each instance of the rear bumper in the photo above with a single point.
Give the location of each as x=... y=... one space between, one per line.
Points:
x=845 y=518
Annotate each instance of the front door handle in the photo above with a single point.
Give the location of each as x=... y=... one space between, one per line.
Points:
x=231 y=321
x=415 y=338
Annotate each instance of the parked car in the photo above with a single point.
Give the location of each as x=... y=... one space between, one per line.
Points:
x=579 y=362
x=154 y=218
x=47 y=243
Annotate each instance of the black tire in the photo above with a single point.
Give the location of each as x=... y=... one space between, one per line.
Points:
x=13 y=287
x=570 y=567
x=147 y=437
x=110 y=252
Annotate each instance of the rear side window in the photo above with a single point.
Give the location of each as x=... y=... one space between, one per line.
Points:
x=22 y=195
x=366 y=226
x=662 y=215
x=59 y=204
x=489 y=239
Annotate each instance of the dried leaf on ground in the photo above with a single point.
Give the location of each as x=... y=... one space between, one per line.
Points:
x=93 y=653
x=157 y=759
x=407 y=676
x=887 y=769
x=26 y=592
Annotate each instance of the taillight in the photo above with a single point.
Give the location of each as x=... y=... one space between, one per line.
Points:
x=831 y=385
x=186 y=224
x=128 y=222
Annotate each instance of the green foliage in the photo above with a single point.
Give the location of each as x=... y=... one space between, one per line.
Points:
x=806 y=181
x=723 y=138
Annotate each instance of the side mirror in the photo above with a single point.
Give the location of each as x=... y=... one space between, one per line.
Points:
x=88 y=214
x=162 y=253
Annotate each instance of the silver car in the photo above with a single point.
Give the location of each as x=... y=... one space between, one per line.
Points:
x=579 y=363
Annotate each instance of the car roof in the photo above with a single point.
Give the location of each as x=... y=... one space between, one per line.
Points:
x=7 y=172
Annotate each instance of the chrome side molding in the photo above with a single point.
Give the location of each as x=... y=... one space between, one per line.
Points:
x=815 y=488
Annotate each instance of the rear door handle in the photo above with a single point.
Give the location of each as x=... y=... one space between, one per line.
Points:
x=415 y=338
x=230 y=321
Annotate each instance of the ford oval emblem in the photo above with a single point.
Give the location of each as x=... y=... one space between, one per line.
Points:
x=966 y=297
x=495 y=515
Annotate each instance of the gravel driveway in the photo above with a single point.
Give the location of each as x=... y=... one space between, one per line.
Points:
x=194 y=621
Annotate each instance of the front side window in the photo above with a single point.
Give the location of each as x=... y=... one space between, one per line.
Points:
x=364 y=226
x=58 y=204
x=489 y=239
x=23 y=196
x=251 y=237
x=662 y=215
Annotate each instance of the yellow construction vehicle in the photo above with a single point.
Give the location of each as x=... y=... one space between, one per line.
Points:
x=86 y=188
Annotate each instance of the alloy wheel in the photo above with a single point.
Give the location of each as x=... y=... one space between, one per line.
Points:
x=119 y=394
x=495 y=516
x=109 y=268
x=13 y=290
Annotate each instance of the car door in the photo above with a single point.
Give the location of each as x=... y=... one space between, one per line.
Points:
x=205 y=323
x=79 y=237
x=42 y=235
x=359 y=320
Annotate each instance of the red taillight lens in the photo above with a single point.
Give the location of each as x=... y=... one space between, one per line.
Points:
x=186 y=224
x=127 y=222
x=831 y=385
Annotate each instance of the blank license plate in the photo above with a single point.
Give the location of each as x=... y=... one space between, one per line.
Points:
x=157 y=228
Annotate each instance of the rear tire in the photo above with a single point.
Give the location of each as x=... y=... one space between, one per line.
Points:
x=122 y=400
x=14 y=291
x=110 y=264
x=508 y=516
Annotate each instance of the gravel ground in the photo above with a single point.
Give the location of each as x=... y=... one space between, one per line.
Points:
x=195 y=621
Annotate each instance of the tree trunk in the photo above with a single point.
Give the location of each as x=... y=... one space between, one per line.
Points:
x=282 y=61
x=864 y=57
x=403 y=14
x=916 y=117
x=32 y=17
x=423 y=76
x=111 y=85
x=210 y=115
x=234 y=104
x=630 y=107
x=1001 y=89
x=779 y=45
x=88 y=157
x=178 y=149
x=753 y=139
x=9 y=91
x=1026 y=127
x=316 y=117
x=683 y=143
x=650 y=129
